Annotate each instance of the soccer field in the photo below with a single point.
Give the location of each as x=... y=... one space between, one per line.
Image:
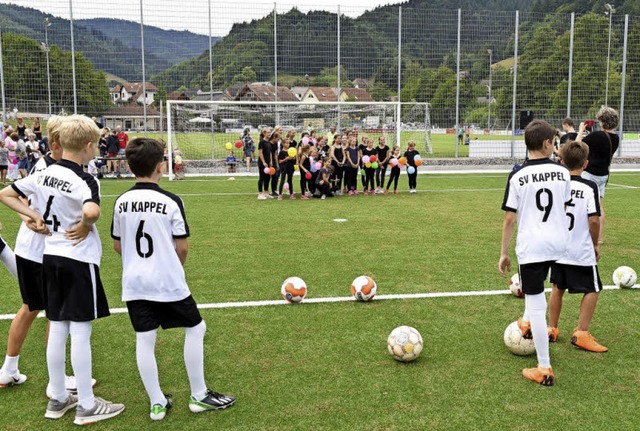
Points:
x=325 y=366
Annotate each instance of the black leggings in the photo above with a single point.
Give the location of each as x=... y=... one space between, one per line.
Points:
x=289 y=178
x=394 y=176
x=351 y=178
x=380 y=174
x=303 y=182
x=263 y=179
x=413 y=179
x=274 y=181
x=368 y=178
x=338 y=174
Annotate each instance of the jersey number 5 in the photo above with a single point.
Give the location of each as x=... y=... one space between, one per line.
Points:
x=140 y=235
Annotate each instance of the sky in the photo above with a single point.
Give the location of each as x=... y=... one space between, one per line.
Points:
x=192 y=15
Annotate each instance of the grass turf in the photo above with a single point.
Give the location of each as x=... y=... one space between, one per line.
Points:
x=325 y=366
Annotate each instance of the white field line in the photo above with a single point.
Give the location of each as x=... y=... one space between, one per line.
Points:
x=245 y=304
x=622 y=186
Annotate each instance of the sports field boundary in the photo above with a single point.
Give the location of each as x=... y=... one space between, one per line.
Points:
x=324 y=300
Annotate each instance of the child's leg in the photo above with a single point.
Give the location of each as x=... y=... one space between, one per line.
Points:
x=56 y=354
x=194 y=359
x=587 y=308
x=536 y=310
x=282 y=179
x=148 y=367
x=81 y=361
x=555 y=306
x=290 y=182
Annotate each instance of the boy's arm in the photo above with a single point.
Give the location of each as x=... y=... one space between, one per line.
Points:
x=594 y=231
x=504 y=264
x=11 y=198
x=90 y=215
x=117 y=246
x=182 y=248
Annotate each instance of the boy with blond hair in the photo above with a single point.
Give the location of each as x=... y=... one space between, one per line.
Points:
x=578 y=270
x=70 y=265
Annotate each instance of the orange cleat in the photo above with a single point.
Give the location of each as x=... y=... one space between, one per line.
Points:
x=554 y=333
x=544 y=376
x=525 y=328
x=586 y=341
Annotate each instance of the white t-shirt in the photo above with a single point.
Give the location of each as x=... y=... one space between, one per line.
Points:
x=146 y=220
x=537 y=193
x=63 y=188
x=584 y=203
x=29 y=244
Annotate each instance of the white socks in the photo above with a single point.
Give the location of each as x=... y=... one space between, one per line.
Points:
x=536 y=312
x=194 y=359
x=80 y=360
x=9 y=260
x=10 y=364
x=147 y=366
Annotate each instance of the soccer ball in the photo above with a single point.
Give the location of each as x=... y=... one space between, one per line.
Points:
x=404 y=344
x=514 y=286
x=294 y=289
x=516 y=343
x=363 y=288
x=624 y=277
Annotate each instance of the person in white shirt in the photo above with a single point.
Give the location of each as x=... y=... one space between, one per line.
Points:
x=535 y=196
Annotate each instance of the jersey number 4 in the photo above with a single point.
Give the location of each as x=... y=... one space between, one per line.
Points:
x=142 y=235
x=54 y=223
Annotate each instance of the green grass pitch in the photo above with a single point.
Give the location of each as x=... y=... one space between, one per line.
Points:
x=325 y=366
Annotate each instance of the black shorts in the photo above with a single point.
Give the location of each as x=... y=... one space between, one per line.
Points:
x=4 y=167
x=149 y=315
x=533 y=275
x=2 y=244
x=74 y=290
x=577 y=279
x=31 y=286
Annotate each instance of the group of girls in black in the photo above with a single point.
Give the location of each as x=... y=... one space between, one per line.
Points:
x=329 y=170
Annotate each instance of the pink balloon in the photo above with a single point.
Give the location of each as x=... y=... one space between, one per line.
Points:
x=400 y=165
x=393 y=161
x=318 y=166
x=365 y=159
x=305 y=140
x=286 y=186
x=266 y=170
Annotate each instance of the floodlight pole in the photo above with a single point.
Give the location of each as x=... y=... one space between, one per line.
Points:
x=4 y=106
x=144 y=79
x=399 y=109
x=47 y=23
x=210 y=59
x=515 y=86
x=490 y=83
x=624 y=81
x=73 y=59
x=458 y=79
x=570 y=81
x=610 y=11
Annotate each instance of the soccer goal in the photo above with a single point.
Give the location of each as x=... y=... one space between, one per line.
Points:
x=204 y=134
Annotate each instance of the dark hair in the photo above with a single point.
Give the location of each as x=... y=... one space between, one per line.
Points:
x=536 y=133
x=569 y=122
x=143 y=155
x=574 y=154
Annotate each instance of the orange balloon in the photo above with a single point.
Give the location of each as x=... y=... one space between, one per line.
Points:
x=272 y=171
x=403 y=160
x=418 y=162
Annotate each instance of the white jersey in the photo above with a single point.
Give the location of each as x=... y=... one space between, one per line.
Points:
x=584 y=203
x=62 y=189
x=537 y=193
x=146 y=220
x=29 y=244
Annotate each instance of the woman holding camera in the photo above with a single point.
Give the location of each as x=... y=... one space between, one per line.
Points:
x=602 y=145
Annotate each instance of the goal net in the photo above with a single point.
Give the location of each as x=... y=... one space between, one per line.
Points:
x=203 y=134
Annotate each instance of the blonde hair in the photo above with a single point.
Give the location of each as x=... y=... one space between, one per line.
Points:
x=77 y=131
x=53 y=128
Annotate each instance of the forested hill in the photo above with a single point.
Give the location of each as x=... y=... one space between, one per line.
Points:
x=111 y=45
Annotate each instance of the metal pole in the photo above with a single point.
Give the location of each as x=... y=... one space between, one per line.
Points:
x=210 y=58
x=144 y=79
x=47 y=23
x=339 y=80
x=169 y=142
x=573 y=20
x=73 y=60
x=610 y=11
x=398 y=122
x=458 y=78
x=275 y=58
x=624 y=80
x=490 y=84
x=4 y=106
x=515 y=84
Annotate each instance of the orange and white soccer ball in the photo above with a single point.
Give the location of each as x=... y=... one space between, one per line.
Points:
x=363 y=288
x=516 y=343
x=294 y=289
x=405 y=344
x=514 y=286
x=625 y=277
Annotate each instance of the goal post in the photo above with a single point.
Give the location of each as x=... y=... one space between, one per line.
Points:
x=204 y=133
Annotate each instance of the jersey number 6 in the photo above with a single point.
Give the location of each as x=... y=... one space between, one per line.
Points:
x=140 y=234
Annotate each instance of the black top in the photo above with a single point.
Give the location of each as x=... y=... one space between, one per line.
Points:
x=265 y=146
x=113 y=144
x=285 y=166
x=601 y=150
x=382 y=153
x=570 y=136
x=410 y=155
x=353 y=154
x=338 y=154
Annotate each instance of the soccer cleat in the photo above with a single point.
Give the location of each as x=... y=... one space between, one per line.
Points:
x=100 y=411
x=262 y=197
x=7 y=379
x=158 y=412
x=350 y=192
x=279 y=197
x=544 y=376
x=366 y=192
x=554 y=333
x=304 y=197
x=56 y=409
x=293 y=196
x=586 y=341
x=213 y=401
x=69 y=384
x=525 y=328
